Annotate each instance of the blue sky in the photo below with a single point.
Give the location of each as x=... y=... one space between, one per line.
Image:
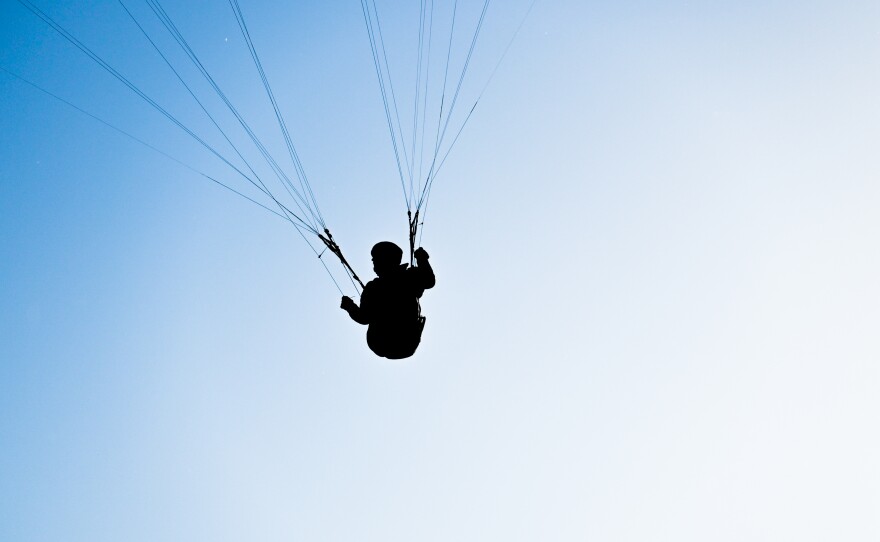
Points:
x=655 y=316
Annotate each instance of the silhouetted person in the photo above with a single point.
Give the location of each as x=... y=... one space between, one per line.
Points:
x=390 y=302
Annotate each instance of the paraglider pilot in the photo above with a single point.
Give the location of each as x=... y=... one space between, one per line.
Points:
x=390 y=302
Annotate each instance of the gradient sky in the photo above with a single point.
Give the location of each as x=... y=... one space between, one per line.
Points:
x=656 y=315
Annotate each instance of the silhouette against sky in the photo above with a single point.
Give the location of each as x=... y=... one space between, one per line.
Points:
x=655 y=242
x=390 y=302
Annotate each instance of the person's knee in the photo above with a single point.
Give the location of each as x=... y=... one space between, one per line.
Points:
x=400 y=342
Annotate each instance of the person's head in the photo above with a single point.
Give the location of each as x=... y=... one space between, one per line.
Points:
x=386 y=257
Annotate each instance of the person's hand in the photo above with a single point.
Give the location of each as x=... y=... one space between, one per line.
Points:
x=421 y=254
x=347 y=303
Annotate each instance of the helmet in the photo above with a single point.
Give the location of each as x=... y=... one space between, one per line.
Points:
x=387 y=253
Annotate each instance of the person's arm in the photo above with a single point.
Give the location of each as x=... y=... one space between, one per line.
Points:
x=356 y=313
x=425 y=271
